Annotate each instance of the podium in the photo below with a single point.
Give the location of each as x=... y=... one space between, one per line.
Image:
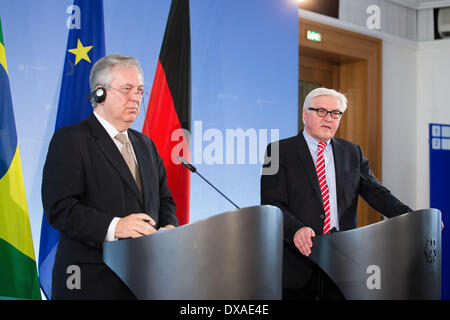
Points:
x=398 y=258
x=234 y=255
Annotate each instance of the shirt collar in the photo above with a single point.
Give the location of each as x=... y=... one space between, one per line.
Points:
x=313 y=142
x=109 y=127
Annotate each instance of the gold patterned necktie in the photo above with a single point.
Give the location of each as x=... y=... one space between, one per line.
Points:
x=127 y=154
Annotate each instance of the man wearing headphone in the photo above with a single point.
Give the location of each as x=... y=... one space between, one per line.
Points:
x=103 y=181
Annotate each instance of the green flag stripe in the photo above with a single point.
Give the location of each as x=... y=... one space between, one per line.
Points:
x=1 y=33
x=18 y=274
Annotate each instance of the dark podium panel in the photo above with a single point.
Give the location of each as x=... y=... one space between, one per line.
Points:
x=398 y=258
x=234 y=255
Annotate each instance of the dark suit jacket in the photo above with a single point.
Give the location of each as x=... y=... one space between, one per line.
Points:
x=295 y=190
x=86 y=183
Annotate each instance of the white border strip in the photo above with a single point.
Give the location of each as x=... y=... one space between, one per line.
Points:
x=419 y=5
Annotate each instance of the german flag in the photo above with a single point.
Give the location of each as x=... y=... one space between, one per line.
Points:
x=18 y=273
x=169 y=107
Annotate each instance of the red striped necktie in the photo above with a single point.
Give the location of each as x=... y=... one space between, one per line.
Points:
x=320 y=168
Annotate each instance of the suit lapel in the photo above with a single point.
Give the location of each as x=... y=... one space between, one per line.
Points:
x=308 y=163
x=109 y=149
x=339 y=170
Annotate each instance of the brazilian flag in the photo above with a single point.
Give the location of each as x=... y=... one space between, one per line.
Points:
x=18 y=273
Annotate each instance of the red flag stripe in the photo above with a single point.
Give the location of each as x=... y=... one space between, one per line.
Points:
x=161 y=121
x=169 y=107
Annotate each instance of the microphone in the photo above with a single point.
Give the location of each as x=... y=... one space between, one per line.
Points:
x=187 y=164
x=193 y=169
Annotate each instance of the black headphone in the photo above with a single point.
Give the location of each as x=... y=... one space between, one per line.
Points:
x=98 y=95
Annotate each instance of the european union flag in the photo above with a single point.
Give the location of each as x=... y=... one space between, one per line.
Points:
x=85 y=45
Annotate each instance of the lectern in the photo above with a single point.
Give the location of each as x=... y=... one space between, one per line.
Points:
x=234 y=255
x=398 y=258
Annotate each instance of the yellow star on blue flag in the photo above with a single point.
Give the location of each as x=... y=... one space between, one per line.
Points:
x=81 y=52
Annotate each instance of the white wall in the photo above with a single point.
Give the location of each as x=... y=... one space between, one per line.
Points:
x=433 y=105
x=395 y=19
x=425 y=24
x=399 y=114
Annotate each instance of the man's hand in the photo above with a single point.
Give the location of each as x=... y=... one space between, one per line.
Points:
x=166 y=227
x=135 y=225
x=303 y=240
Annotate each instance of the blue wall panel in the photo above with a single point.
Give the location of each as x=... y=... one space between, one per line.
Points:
x=440 y=192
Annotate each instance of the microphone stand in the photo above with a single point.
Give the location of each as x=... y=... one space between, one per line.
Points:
x=193 y=169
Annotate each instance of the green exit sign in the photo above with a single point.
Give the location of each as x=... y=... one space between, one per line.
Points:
x=313 y=35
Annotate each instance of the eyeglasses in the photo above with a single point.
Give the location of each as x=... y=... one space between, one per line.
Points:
x=128 y=91
x=323 y=113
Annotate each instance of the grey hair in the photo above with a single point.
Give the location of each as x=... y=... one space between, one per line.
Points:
x=101 y=70
x=342 y=100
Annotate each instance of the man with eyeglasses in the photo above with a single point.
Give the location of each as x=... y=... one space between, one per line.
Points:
x=317 y=188
x=103 y=181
